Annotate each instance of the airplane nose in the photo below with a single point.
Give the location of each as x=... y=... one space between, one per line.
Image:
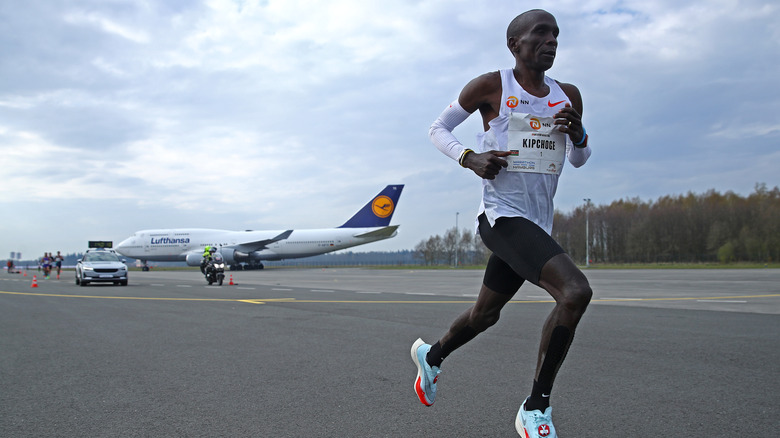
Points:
x=124 y=244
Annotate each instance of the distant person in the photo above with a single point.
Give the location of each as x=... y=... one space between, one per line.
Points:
x=58 y=263
x=207 y=254
x=46 y=262
x=10 y=266
x=515 y=217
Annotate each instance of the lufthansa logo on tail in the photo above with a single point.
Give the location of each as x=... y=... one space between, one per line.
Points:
x=382 y=206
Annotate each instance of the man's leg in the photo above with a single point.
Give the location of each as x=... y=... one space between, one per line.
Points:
x=478 y=318
x=535 y=256
x=561 y=278
x=499 y=286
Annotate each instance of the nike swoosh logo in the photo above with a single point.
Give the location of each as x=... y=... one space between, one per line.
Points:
x=552 y=104
x=546 y=395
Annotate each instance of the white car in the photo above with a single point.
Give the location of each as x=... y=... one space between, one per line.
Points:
x=101 y=266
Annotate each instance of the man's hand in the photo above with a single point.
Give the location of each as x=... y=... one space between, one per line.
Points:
x=570 y=122
x=486 y=164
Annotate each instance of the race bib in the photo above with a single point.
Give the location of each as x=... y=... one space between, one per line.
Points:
x=535 y=144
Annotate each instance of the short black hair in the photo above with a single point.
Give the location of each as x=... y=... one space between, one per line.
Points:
x=519 y=23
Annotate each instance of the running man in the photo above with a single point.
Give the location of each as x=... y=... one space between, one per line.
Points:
x=46 y=262
x=532 y=125
x=58 y=263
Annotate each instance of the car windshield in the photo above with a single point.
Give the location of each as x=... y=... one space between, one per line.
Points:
x=100 y=257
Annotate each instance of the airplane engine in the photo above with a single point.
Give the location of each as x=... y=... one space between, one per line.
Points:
x=237 y=258
x=233 y=257
x=194 y=259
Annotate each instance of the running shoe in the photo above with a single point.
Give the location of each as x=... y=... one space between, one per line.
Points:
x=425 y=383
x=535 y=424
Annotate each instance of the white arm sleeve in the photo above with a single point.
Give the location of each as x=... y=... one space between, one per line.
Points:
x=441 y=130
x=578 y=156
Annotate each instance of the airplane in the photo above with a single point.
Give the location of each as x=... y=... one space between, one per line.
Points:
x=247 y=249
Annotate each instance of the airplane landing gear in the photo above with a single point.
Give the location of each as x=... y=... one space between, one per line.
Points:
x=246 y=266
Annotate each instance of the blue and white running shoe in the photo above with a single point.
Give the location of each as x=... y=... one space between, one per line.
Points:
x=425 y=383
x=535 y=424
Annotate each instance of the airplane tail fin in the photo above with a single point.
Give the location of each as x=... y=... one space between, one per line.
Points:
x=378 y=211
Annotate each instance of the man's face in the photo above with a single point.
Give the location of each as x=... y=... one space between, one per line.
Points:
x=536 y=44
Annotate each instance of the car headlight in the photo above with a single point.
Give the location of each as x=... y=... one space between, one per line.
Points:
x=88 y=268
x=123 y=268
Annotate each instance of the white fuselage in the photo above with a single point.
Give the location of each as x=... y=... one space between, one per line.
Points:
x=177 y=244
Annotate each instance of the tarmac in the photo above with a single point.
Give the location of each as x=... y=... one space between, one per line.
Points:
x=325 y=353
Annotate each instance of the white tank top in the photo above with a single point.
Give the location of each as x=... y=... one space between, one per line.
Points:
x=513 y=194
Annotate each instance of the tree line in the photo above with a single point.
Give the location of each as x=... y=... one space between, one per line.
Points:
x=692 y=228
x=455 y=248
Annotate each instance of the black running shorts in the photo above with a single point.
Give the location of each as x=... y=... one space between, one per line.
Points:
x=520 y=250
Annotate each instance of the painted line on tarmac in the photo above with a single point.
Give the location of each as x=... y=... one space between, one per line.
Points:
x=294 y=300
x=266 y=300
x=117 y=298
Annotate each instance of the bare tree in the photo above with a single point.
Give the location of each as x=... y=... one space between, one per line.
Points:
x=687 y=228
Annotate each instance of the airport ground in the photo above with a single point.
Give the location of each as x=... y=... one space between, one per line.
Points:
x=325 y=353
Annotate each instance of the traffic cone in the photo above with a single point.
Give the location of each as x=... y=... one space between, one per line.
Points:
x=25 y=273
x=35 y=281
x=231 y=280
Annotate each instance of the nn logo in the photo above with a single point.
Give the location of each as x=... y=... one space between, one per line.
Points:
x=537 y=125
x=513 y=101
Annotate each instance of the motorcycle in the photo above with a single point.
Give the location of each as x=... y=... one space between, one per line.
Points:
x=215 y=269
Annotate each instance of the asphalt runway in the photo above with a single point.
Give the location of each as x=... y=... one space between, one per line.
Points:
x=325 y=353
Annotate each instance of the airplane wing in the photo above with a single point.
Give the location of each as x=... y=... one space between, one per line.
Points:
x=382 y=232
x=260 y=244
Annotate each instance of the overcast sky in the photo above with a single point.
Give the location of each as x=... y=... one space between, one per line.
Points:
x=117 y=116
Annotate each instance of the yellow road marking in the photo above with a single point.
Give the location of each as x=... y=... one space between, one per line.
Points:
x=294 y=300
x=264 y=300
x=117 y=298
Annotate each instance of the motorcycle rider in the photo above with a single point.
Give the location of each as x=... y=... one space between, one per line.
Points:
x=208 y=251
x=215 y=268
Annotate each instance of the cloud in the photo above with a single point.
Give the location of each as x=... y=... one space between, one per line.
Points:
x=106 y=25
x=253 y=114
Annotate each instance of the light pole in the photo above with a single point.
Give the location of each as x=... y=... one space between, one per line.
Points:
x=456 y=238
x=587 y=240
